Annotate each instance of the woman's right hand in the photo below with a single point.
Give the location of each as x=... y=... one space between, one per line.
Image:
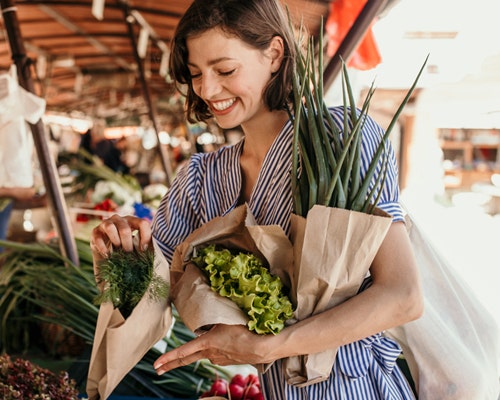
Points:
x=117 y=231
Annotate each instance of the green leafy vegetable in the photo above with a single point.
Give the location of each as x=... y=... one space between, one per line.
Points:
x=127 y=276
x=243 y=278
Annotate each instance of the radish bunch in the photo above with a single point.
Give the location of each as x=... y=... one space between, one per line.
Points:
x=240 y=388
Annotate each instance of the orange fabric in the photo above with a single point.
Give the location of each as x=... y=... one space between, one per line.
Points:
x=342 y=15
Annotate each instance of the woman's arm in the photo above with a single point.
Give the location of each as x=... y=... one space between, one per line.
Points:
x=394 y=298
x=18 y=193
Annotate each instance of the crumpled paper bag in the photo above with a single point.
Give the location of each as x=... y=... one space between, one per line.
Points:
x=198 y=305
x=324 y=264
x=119 y=344
x=333 y=250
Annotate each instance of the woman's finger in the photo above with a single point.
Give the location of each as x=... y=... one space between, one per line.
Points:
x=181 y=356
x=118 y=231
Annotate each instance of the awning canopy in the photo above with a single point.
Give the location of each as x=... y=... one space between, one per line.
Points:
x=84 y=52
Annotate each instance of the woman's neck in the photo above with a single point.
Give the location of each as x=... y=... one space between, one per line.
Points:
x=259 y=137
x=260 y=134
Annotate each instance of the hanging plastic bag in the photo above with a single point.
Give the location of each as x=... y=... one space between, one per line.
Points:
x=17 y=107
x=453 y=349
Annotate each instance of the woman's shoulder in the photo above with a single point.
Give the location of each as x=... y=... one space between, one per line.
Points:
x=338 y=112
x=216 y=158
x=207 y=164
x=370 y=127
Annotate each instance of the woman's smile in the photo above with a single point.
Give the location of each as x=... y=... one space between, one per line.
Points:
x=222 y=106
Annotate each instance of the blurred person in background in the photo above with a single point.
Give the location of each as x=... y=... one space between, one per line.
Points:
x=7 y=197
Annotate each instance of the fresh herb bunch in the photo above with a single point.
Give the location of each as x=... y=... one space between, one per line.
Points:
x=127 y=276
x=243 y=278
x=21 y=379
x=327 y=158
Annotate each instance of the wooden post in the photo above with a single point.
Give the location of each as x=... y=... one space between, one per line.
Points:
x=163 y=152
x=47 y=165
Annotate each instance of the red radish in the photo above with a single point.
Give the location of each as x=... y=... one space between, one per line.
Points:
x=219 y=387
x=236 y=391
x=239 y=388
x=251 y=391
x=252 y=379
x=239 y=380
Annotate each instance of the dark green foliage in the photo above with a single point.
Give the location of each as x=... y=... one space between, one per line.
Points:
x=127 y=276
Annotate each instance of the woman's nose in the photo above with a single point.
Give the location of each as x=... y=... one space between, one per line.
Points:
x=209 y=86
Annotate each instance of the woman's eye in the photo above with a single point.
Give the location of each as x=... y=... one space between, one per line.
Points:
x=226 y=73
x=195 y=76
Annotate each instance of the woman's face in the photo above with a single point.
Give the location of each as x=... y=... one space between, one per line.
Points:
x=230 y=76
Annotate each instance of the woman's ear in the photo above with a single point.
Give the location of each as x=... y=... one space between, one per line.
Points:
x=276 y=52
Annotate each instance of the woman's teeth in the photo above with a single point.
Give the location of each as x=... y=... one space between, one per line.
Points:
x=222 y=105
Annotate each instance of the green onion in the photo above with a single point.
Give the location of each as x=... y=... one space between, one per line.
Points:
x=326 y=160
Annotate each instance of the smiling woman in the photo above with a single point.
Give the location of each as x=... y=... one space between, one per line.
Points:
x=236 y=61
x=231 y=94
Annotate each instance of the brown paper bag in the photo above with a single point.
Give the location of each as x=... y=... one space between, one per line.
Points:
x=198 y=305
x=333 y=251
x=119 y=344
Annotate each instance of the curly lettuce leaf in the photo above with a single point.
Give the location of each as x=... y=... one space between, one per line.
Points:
x=243 y=278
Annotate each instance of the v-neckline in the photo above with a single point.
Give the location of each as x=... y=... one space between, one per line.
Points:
x=257 y=186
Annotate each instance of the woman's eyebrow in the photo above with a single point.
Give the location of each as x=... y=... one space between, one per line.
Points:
x=212 y=62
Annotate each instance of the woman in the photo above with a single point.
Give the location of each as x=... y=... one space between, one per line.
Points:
x=236 y=59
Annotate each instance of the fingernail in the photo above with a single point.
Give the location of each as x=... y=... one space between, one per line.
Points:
x=145 y=246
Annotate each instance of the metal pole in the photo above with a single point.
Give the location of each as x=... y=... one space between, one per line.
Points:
x=163 y=152
x=371 y=9
x=49 y=172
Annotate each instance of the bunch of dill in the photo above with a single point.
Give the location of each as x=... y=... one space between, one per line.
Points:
x=127 y=277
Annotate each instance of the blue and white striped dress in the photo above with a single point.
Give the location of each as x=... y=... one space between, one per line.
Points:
x=209 y=186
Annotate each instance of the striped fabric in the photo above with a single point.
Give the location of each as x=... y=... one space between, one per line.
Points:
x=209 y=186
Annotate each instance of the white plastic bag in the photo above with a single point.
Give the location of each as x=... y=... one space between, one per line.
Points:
x=453 y=349
x=17 y=107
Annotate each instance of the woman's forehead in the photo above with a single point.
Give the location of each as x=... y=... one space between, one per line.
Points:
x=217 y=46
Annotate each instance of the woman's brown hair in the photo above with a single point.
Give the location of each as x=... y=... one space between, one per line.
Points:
x=255 y=22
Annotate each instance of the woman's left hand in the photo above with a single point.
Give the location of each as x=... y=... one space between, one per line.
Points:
x=222 y=345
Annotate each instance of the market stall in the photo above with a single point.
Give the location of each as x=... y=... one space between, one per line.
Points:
x=110 y=61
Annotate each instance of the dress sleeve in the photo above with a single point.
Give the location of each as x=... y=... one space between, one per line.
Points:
x=178 y=213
